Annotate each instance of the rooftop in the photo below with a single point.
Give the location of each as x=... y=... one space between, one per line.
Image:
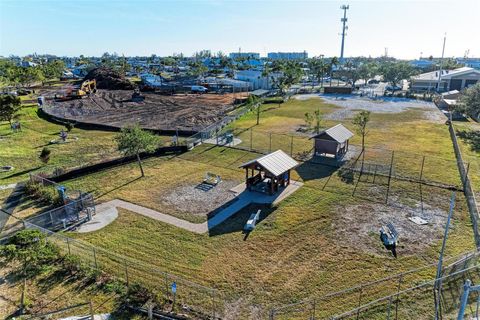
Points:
x=339 y=133
x=276 y=163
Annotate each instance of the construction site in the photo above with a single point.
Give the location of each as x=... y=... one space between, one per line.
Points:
x=107 y=100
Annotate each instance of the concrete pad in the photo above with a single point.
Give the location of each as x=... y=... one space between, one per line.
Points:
x=222 y=142
x=105 y=214
x=8 y=186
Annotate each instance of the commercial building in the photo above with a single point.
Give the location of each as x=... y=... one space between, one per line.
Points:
x=457 y=79
x=288 y=55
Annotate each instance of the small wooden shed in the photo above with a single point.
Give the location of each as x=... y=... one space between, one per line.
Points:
x=332 y=142
x=269 y=173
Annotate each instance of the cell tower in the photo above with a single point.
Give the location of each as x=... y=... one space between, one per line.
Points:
x=344 y=29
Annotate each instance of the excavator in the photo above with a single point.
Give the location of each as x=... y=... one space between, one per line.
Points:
x=87 y=88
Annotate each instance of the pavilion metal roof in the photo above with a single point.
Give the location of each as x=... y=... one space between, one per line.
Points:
x=339 y=133
x=276 y=163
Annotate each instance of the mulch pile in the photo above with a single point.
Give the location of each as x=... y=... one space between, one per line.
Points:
x=108 y=78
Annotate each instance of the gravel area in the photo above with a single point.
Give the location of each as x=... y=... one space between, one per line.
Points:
x=198 y=200
x=360 y=225
x=351 y=103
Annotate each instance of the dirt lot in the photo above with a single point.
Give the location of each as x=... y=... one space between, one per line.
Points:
x=350 y=104
x=200 y=199
x=360 y=225
x=185 y=112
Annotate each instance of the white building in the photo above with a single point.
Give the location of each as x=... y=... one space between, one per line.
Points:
x=256 y=79
x=457 y=79
x=288 y=55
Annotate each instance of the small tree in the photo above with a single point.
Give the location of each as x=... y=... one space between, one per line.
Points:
x=318 y=120
x=309 y=120
x=9 y=106
x=30 y=249
x=133 y=140
x=360 y=121
x=470 y=101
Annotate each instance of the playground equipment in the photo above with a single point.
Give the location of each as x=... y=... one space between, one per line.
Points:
x=389 y=236
x=212 y=179
x=252 y=221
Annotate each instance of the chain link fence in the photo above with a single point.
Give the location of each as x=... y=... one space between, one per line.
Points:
x=407 y=295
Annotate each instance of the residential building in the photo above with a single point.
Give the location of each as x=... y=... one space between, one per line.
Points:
x=422 y=64
x=470 y=62
x=244 y=55
x=288 y=55
x=457 y=79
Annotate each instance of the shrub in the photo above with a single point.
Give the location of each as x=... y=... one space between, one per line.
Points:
x=48 y=194
x=45 y=155
x=138 y=295
x=69 y=126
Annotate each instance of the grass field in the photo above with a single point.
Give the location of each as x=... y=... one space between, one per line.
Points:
x=297 y=250
x=320 y=239
x=22 y=149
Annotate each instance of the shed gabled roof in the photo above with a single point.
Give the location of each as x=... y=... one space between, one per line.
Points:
x=276 y=163
x=338 y=133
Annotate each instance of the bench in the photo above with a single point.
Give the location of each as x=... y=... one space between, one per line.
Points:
x=252 y=221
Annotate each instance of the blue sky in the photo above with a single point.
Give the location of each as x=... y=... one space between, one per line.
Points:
x=406 y=28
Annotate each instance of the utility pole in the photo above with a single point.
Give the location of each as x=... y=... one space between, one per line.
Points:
x=344 y=29
x=441 y=63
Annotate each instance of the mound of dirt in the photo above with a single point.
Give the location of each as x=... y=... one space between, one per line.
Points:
x=108 y=78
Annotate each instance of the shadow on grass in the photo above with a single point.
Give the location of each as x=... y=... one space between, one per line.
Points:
x=238 y=220
x=311 y=170
x=16 y=174
x=116 y=188
x=472 y=138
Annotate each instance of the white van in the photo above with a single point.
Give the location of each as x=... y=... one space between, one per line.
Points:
x=199 y=89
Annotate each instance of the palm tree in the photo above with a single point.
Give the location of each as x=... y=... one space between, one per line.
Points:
x=266 y=72
x=333 y=62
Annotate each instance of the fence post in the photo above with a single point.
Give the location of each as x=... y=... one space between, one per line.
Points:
x=213 y=302
x=92 y=316
x=68 y=245
x=466 y=177
x=291 y=146
x=389 y=177
x=389 y=307
x=251 y=138
x=95 y=257
x=166 y=286
x=400 y=280
x=421 y=170
x=126 y=273
x=270 y=145
x=359 y=302
x=271 y=315
x=314 y=309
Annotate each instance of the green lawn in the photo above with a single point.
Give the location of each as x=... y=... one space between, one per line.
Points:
x=300 y=248
x=22 y=149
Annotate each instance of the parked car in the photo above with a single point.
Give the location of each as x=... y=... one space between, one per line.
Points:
x=392 y=88
x=199 y=89
x=373 y=81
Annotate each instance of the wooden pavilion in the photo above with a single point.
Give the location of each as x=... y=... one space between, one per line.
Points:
x=269 y=173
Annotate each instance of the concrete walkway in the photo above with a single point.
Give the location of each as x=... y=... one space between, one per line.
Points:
x=106 y=214
x=243 y=199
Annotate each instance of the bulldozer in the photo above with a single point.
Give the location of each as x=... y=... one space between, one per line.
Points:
x=87 y=88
